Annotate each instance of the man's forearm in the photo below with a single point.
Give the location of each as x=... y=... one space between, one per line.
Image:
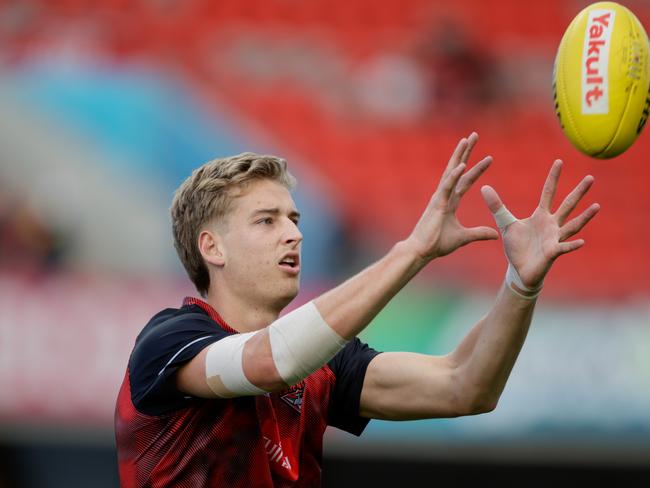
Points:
x=487 y=354
x=350 y=307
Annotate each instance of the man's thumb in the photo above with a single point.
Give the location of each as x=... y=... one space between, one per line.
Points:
x=491 y=198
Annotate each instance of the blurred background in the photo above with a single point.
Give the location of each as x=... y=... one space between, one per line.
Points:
x=106 y=106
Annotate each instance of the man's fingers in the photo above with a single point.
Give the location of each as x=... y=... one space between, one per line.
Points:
x=462 y=152
x=565 y=247
x=548 y=192
x=471 y=142
x=456 y=156
x=480 y=234
x=449 y=181
x=573 y=198
x=575 y=225
x=501 y=214
x=469 y=178
x=491 y=198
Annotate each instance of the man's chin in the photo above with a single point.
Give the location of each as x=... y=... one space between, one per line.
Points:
x=287 y=297
x=293 y=293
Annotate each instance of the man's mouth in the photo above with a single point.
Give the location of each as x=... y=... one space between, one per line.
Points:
x=290 y=263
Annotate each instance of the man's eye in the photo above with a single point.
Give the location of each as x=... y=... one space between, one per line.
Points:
x=267 y=220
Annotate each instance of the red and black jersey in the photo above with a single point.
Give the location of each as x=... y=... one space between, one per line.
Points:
x=166 y=438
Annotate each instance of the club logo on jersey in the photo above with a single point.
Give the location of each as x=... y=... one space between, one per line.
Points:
x=293 y=396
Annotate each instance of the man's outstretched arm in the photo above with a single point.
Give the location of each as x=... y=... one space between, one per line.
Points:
x=470 y=380
x=349 y=308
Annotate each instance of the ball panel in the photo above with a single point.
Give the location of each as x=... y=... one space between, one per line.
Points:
x=635 y=81
x=629 y=81
x=566 y=70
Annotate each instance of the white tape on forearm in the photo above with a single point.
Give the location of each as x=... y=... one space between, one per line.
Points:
x=503 y=218
x=224 y=370
x=302 y=342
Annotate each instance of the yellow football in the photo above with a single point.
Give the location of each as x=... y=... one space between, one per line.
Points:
x=601 y=80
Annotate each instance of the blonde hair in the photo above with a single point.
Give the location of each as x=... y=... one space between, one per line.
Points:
x=206 y=196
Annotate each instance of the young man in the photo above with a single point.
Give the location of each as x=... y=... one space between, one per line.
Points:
x=222 y=392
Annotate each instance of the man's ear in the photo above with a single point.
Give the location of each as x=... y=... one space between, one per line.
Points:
x=211 y=247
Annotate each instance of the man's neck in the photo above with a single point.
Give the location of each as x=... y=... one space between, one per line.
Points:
x=243 y=316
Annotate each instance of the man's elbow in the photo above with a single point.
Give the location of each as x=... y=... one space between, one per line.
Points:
x=472 y=399
x=478 y=403
x=465 y=406
x=262 y=373
x=483 y=406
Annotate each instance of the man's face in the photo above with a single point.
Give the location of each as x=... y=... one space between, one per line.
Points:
x=261 y=244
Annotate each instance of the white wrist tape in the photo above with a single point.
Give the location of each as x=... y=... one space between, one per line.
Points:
x=513 y=277
x=224 y=370
x=301 y=342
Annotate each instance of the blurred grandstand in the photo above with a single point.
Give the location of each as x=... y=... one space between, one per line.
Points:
x=106 y=106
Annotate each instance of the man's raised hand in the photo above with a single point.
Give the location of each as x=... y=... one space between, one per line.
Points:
x=438 y=232
x=532 y=244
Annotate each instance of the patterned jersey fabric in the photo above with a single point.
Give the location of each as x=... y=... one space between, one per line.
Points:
x=166 y=438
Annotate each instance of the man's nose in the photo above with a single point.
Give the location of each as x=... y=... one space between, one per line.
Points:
x=293 y=234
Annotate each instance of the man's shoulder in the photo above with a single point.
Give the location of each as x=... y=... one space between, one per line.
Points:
x=170 y=339
x=185 y=317
x=189 y=312
x=172 y=329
